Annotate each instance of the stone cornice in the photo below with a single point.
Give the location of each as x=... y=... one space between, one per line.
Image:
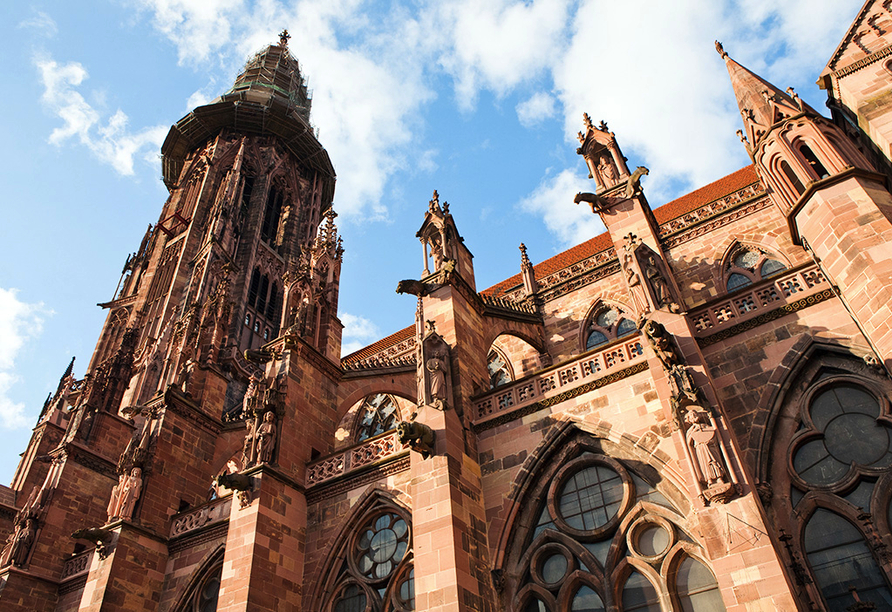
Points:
x=392 y=465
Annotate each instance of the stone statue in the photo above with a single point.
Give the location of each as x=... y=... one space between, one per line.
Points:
x=633 y=186
x=251 y=394
x=129 y=494
x=248 y=447
x=634 y=282
x=114 y=501
x=658 y=284
x=703 y=439
x=266 y=438
x=661 y=341
x=418 y=436
x=437 y=382
x=437 y=252
x=607 y=169
x=22 y=541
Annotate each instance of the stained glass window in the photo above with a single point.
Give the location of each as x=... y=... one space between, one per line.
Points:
x=378 y=413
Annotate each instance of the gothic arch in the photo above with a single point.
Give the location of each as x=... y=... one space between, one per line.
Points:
x=597 y=560
x=612 y=332
x=764 y=249
x=211 y=563
x=528 y=332
x=373 y=500
x=348 y=409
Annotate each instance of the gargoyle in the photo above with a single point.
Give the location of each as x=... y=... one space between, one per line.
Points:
x=234 y=482
x=418 y=436
x=414 y=287
x=597 y=204
x=101 y=538
x=259 y=355
x=633 y=186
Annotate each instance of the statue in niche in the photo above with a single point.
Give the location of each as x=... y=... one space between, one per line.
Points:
x=437 y=381
x=658 y=284
x=633 y=280
x=125 y=495
x=251 y=395
x=22 y=540
x=248 y=446
x=607 y=169
x=112 y=509
x=437 y=252
x=266 y=438
x=703 y=439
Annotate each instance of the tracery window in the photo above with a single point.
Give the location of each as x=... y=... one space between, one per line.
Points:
x=831 y=476
x=266 y=302
x=377 y=414
x=202 y=596
x=271 y=215
x=748 y=265
x=605 y=325
x=377 y=574
x=499 y=368
x=606 y=539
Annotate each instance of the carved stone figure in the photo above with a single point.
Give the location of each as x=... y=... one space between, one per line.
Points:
x=114 y=500
x=661 y=341
x=248 y=446
x=633 y=280
x=607 y=169
x=22 y=542
x=418 y=436
x=266 y=438
x=703 y=439
x=633 y=186
x=595 y=202
x=251 y=394
x=658 y=284
x=129 y=494
x=437 y=382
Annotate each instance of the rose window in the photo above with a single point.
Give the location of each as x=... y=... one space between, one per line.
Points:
x=845 y=433
x=381 y=546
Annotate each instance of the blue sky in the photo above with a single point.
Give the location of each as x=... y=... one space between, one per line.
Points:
x=479 y=100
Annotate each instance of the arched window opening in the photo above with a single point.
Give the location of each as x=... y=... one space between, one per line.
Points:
x=247 y=190
x=813 y=161
x=607 y=325
x=270 y=225
x=840 y=560
x=273 y=304
x=254 y=287
x=499 y=369
x=378 y=414
x=376 y=572
x=748 y=265
x=794 y=181
x=261 y=294
x=597 y=523
x=205 y=592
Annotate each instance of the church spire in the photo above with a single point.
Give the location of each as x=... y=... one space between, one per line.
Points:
x=761 y=104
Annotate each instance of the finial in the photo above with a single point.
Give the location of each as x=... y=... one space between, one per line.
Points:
x=445 y=208
x=603 y=126
x=283 y=39
x=524 y=259
x=580 y=136
x=720 y=49
x=435 y=202
x=741 y=136
x=586 y=120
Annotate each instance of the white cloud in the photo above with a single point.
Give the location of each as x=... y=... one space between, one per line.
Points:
x=553 y=200
x=112 y=142
x=358 y=332
x=42 y=22
x=537 y=108
x=18 y=323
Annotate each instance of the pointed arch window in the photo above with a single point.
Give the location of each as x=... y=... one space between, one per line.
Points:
x=379 y=413
x=748 y=265
x=838 y=471
x=204 y=593
x=266 y=301
x=271 y=215
x=791 y=176
x=605 y=325
x=603 y=538
x=499 y=368
x=376 y=573
x=813 y=162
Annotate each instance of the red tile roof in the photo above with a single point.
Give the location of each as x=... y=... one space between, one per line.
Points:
x=380 y=345
x=676 y=208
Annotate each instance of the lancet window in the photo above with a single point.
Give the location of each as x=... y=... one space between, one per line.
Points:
x=748 y=265
x=272 y=213
x=603 y=538
x=377 y=414
x=499 y=368
x=202 y=596
x=605 y=325
x=264 y=303
x=376 y=572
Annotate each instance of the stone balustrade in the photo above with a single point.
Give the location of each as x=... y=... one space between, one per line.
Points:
x=77 y=564
x=214 y=511
x=355 y=457
x=553 y=381
x=760 y=297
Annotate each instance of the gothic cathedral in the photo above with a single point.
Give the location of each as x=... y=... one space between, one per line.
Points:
x=689 y=412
